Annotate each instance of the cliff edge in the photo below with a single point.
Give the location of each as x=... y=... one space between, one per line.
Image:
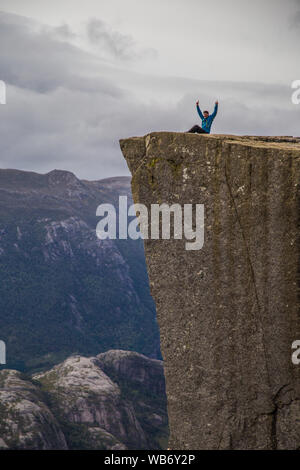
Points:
x=229 y=312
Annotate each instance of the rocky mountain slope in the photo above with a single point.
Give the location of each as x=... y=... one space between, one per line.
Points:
x=62 y=290
x=228 y=312
x=26 y=422
x=115 y=400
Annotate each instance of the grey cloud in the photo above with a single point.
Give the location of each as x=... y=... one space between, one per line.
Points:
x=85 y=107
x=295 y=17
x=295 y=20
x=35 y=59
x=64 y=31
x=116 y=44
x=80 y=132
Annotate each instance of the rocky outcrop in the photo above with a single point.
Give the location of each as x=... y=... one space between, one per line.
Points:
x=76 y=405
x=26 y=422
x=84 y=394
x=229 y=312
x=133 y=368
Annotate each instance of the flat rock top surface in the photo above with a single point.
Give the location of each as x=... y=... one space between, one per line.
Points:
x=280 y=142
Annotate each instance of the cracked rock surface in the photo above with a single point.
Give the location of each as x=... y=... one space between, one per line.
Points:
x=228 y=313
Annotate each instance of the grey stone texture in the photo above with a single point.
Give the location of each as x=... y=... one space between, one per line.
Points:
x=228 y=313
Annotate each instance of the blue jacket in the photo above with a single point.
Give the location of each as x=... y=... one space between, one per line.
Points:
x=206 y=123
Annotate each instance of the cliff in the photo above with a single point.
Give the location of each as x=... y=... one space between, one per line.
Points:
x=229 y=312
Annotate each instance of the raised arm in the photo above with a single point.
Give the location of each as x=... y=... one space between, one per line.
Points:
x=215 y=110
x=199 y=111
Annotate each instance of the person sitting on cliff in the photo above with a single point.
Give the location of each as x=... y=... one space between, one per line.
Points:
x=207 y=120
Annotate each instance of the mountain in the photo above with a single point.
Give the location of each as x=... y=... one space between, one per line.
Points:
x=115 y=400
x=62 y=290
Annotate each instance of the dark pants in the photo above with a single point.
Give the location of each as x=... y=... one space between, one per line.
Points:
x=197 y=130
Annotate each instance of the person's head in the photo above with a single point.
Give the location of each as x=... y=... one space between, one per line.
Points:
x=205 y=114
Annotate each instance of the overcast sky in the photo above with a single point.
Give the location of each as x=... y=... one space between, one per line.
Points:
x=82 y=74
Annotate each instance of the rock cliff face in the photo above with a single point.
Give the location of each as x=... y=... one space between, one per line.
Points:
x=228 y=313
